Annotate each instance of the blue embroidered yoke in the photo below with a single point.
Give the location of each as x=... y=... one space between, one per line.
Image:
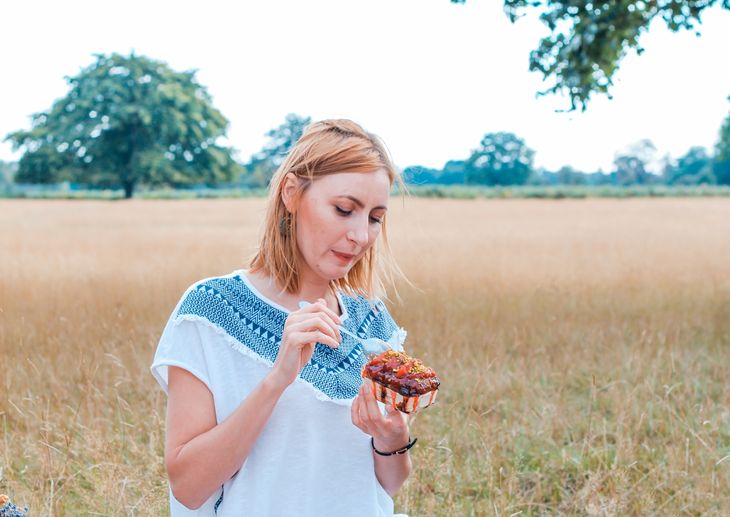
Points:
x=229 y=303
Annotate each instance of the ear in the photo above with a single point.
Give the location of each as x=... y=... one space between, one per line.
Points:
x=289 y=190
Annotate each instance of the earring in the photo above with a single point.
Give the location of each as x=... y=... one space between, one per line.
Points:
x=285 y=226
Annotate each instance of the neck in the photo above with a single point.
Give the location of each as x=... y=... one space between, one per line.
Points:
x=313 y=287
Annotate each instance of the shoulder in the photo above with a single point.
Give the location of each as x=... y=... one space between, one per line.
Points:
x=212 y=283
x=210 y=293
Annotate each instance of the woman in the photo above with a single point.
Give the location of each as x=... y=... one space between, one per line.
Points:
x=266 y=414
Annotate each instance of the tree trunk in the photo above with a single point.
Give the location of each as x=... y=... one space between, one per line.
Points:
x=128 y=190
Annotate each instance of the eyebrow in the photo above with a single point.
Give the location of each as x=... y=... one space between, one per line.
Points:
x=361 y=204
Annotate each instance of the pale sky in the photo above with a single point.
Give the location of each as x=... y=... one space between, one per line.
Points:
x=430 y=77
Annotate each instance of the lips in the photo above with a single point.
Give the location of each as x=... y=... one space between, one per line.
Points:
x=343 y=256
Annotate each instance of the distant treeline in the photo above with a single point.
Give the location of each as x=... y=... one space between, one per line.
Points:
x=501 y=163
x=133 y=123
x=503 y=159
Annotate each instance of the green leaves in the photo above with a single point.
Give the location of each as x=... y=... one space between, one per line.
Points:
x=501 y=159
x=263 y=164
x=128 y=120
x=721 y=165
x=588 y=39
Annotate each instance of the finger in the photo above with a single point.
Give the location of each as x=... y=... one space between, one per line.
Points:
x=299 y=339
x=391 y=411
x=372 y=410
x=355 y=414
x=371 y=403
x=363 y=411
x=355 y=410
x=327 y=315
x=329 y=320
x=320 y=306
x=324 y=323
x=310 y=324
x=396 y=416
x=302 y=315
x=314 y=325
x=332 y=314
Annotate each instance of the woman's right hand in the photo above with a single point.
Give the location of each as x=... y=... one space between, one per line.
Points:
x=315 y=323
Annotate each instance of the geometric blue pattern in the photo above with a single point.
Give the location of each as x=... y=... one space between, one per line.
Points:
x=231 y=305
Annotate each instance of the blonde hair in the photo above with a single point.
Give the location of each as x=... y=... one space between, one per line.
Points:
x=325 y=147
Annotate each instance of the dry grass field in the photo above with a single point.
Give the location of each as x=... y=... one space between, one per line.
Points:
x=584 y=348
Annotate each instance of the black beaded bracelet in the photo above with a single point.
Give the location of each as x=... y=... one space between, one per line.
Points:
x=402 y=450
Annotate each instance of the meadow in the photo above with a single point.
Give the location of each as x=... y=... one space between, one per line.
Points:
x=583 y=346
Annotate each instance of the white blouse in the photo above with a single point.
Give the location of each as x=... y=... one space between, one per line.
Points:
x=309 y=460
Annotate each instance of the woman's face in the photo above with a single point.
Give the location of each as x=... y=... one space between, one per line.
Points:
x=338 y=219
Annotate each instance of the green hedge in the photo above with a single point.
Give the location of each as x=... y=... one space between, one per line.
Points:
x=565 y=192
x=428 y=191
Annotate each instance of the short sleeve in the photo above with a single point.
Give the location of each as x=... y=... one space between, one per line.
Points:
x=182 y=345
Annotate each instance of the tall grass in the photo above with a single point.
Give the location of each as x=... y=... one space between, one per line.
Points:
x=584 y=349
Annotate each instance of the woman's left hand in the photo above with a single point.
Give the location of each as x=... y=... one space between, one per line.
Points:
x=390 y=431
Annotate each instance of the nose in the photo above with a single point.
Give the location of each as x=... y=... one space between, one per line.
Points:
x=358 y=233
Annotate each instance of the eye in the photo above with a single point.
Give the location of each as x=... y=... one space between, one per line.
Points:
x=342 y=211
x=376 y=220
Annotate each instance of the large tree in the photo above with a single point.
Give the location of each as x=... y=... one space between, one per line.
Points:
x=721 y=165
x=567 y=175
x=694 y=168
x=127 y=120
x=501 y=159
x=453 y=173
x=263 y=164
x=588 y=38
x=7 y=172
x=633 y=165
